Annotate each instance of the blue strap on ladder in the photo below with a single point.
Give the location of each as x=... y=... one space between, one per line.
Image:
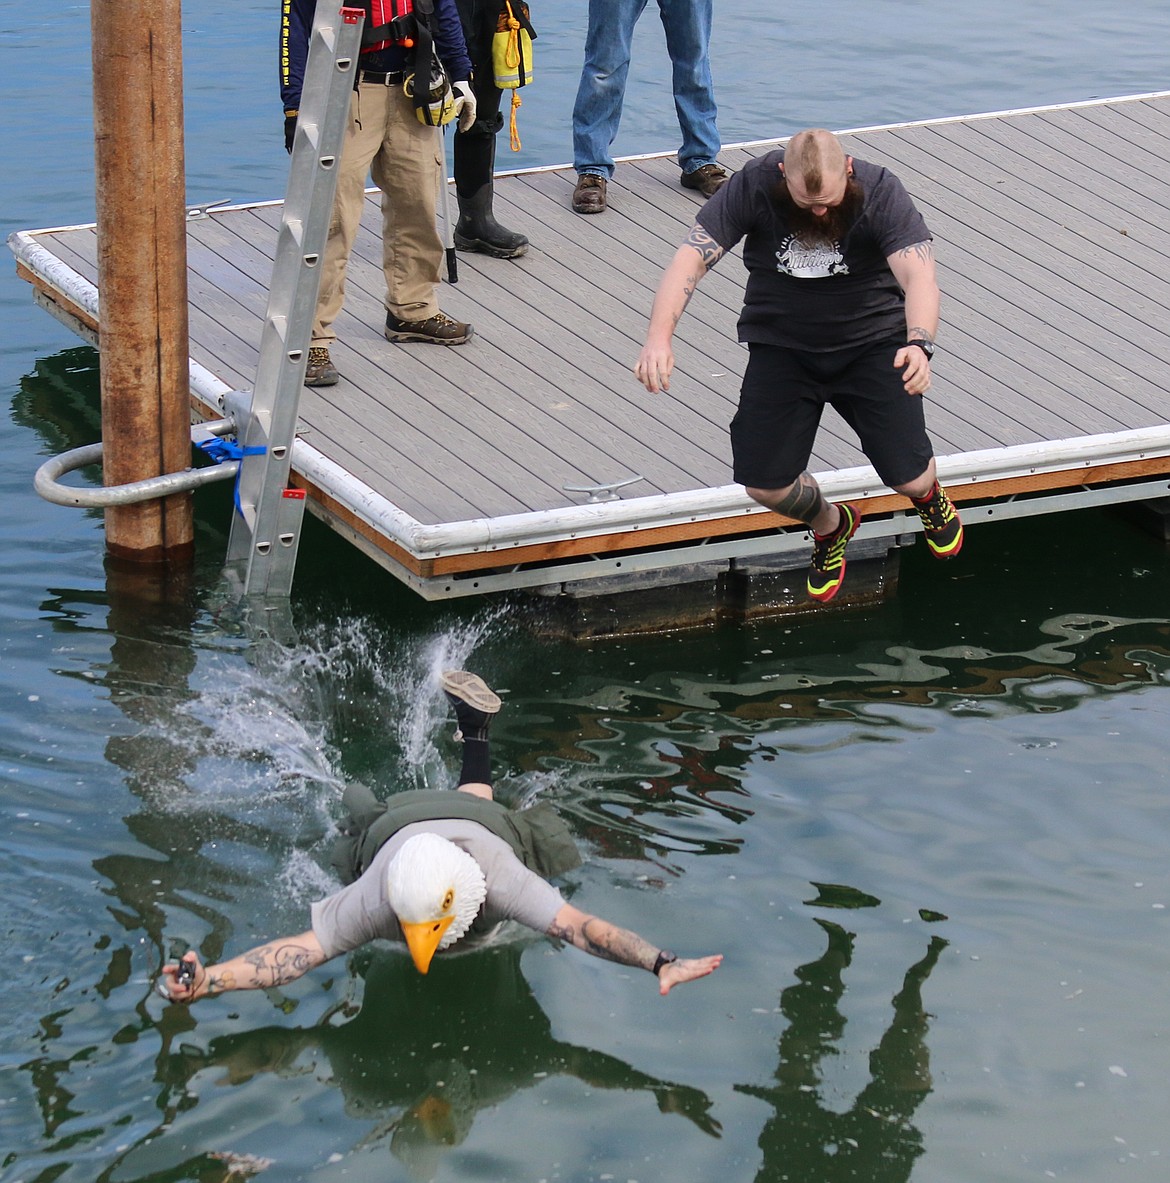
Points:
x=220 y=450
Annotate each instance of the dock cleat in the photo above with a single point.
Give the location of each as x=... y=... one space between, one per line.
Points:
x=940 y=523
x=474 y=701
x=826 y=570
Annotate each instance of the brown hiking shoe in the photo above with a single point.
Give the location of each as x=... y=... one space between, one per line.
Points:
x=320 y=371
x=589 y=195
x=439 y=329
x=707 y=178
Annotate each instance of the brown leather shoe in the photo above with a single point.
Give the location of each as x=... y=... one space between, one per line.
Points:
x=439 y=329
x=589 y=195
x=707 y=178
x=319 y=369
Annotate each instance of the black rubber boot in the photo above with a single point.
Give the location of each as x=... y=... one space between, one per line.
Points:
x=477 y=228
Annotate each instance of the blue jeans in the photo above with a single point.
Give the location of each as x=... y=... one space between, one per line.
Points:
x=598 y=109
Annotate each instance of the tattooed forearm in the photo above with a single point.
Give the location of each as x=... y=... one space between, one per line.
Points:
x=803 y=501
x=690 y=282
x=217 y=983
x=709 y=250
x=276 y=965
x=918 y=333
x=603 y=939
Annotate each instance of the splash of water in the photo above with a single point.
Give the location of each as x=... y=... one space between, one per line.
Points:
x=284 y=722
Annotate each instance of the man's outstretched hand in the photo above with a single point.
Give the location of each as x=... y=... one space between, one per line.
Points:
x=686 y=969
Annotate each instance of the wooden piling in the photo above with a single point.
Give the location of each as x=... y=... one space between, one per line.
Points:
x=142 y=267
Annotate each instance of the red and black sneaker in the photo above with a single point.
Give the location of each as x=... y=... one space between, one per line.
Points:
x=827 y=568
x=940 y=523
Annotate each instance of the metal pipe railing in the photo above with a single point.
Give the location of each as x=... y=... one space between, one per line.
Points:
x=47 y=485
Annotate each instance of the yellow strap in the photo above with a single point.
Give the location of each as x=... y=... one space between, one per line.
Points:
x=515 y=135
x=512 y=49
x=512 y=54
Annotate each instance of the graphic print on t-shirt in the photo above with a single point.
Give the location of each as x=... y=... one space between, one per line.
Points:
x=804 y=261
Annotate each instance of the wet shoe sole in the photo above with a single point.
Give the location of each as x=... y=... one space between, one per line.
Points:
x=471 y=689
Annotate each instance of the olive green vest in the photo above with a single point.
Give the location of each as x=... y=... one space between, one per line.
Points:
x=537 y=836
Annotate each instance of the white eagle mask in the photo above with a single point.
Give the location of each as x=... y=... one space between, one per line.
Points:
x=436 y=889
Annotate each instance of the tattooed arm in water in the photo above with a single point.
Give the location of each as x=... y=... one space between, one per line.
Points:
x=275 y=964
x=691 y=262
x=602 y=939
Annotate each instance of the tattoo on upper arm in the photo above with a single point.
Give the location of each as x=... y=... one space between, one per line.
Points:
x=710 y=251
x=920 y=250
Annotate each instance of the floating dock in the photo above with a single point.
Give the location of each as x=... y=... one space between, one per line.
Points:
x=531 y=458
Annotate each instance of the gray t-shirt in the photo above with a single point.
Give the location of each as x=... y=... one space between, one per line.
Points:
x=825 y=297
x=361 y=912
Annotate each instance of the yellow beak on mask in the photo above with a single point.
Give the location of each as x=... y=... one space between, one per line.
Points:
x=423 y=939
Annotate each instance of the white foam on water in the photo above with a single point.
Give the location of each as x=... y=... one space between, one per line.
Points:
x=265 y=733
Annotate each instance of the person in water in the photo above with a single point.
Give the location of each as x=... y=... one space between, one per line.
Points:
x=438 y=869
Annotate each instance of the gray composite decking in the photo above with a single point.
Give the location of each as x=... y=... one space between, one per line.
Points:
x=1052 y=232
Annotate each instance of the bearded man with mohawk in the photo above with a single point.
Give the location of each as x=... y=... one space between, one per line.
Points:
x=436 y=868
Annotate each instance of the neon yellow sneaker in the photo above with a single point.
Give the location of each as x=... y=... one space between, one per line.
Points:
x=940 y=523
x=827 y=568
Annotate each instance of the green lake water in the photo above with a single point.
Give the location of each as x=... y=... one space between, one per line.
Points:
x=931 y=838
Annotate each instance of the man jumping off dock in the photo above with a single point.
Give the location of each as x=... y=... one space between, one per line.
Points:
x=841 y=307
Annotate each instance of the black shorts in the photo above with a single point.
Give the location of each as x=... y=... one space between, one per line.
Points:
x=784 y=392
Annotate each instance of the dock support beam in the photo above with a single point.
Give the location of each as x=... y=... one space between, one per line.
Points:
x=142 y=269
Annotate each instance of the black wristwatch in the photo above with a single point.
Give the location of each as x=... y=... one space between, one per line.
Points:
x=664 y=958
x=927 y=347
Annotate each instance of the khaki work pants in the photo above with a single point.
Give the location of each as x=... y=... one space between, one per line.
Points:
x=385 y=140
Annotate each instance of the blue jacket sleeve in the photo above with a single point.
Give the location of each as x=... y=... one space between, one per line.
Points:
x=296 y=25
x=449 y=41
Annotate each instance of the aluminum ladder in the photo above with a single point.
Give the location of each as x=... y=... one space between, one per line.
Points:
x=266 y=524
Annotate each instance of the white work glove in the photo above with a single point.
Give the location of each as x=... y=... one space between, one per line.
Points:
x=464 y=104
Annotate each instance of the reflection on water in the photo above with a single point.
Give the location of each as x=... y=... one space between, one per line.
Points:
x=809 y=1136
x=420 y=1058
